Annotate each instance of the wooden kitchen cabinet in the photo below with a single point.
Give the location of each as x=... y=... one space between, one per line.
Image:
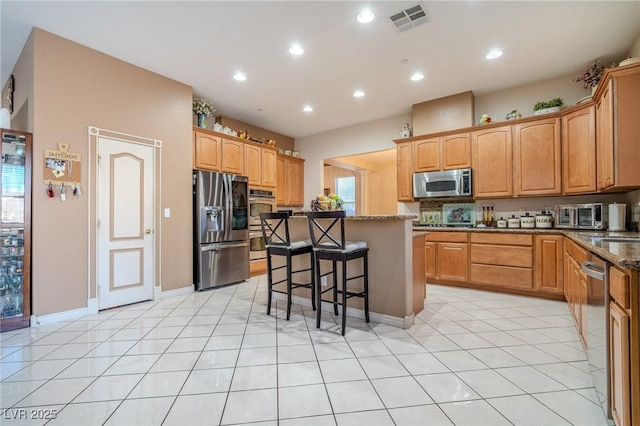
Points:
x=426 y=155
x=253 y=164
x=548 y=264
x=290 y=181
x=280 y=188
x=456 y=151
x=269 y=171
x=452 y=262
x=576 y=285
x=537 y=158
x=232 y=157
x=442 y=153
x=618 y=130
x=430 y=259
x=207 y=151
x=579 y=151
x=491 y=154
x=447 y=256
x=405 y=171
x=619 y=366
x=499 y=259
x=260 y=165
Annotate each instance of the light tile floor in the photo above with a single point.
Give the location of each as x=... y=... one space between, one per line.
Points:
x=215 y=357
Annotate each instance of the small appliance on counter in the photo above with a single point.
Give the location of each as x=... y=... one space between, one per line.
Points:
x=582 y=216
x=459 y=214
x=617 y=217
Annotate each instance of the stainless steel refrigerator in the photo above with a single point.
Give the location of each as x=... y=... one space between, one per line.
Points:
x=221 y=229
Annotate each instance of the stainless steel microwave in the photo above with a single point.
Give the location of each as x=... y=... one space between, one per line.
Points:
x=447 y=183
x=582 y=216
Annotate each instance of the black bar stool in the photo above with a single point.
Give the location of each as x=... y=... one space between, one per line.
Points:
x=337 y=249
x=275 y=231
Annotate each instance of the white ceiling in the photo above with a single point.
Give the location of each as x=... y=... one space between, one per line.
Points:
x=203 y=43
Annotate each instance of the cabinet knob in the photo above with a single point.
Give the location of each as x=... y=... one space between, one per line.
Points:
x=147 y=231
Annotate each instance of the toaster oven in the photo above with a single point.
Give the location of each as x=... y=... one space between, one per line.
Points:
x=582 y=216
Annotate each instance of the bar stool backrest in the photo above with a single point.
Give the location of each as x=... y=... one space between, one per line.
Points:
x=320 y=225
x=275 y=229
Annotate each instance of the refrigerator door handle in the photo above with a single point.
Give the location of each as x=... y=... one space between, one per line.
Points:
x=223 y=246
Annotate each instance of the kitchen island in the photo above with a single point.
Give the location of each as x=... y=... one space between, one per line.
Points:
x=390 y=242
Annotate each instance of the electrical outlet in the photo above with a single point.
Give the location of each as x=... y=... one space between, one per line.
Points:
x=323 y=281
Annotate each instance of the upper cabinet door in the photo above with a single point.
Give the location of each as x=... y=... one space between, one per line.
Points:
x=492 y=162
x=268 y=177
x=280 y=180
x=579 y=151
x=232 y=157
x=604 y=148
x=252 y=162
x=426 y=154
x=537 y=157
x=405 y=171
x=207 y=151
x=456 y=151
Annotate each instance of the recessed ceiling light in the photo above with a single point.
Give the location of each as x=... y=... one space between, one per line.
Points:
x=404 y=61
x=495 y=53
x=358 y=94
x=296 y=49
x=307 y=108
x=366 y=16
x=417 y=76
x=239 y=76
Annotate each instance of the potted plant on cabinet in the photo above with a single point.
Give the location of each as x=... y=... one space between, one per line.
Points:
x=547 y=107
x=202 y=109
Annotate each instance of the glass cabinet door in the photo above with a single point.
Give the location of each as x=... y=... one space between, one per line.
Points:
x=13 y=178
x=15 y=170
x=12 y=273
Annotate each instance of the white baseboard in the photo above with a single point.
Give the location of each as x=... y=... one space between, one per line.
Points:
x=92 y=306
x=400 y=322
x=157 y=292
x=183 y=291
x=73 y=314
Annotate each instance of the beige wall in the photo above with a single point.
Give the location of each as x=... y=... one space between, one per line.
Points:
x=383 y=189
x=523 y=98
x=635 y=48
x=439 y=115
x=282 y=141
x=75 y=87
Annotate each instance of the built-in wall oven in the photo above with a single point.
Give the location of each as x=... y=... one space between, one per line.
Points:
x=260 y=201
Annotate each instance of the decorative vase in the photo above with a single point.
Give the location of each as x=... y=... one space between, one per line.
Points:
x=202 y=120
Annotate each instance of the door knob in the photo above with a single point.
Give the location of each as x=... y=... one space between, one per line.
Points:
x=147 y=231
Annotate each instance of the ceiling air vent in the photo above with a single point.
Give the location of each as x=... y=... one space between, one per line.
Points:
x=410 y=18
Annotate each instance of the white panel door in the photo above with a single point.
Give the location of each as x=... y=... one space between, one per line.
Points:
x=125 y=223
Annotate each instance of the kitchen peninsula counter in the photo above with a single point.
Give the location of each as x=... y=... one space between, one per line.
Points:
x=390 y=242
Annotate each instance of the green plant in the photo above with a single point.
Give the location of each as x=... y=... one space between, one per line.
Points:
x=555 y=102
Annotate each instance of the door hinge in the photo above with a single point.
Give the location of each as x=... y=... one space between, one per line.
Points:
x=98 y=223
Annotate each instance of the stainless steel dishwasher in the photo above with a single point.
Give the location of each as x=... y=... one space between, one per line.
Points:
x=597 y=318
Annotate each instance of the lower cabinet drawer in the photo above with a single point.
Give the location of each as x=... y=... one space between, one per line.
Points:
x=619 y=287
x=502 y=255
x=506 y=276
